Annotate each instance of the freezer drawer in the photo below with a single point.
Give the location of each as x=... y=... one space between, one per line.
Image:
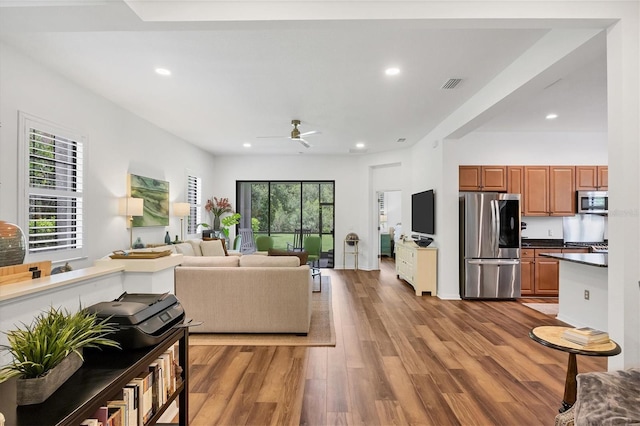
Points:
x=491 y=279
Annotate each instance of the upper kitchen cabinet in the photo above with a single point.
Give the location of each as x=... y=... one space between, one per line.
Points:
x=549 y=191
x=562 y=190
x=592 y=178
x=483 y=178
x=536 y=191
x=515 y=183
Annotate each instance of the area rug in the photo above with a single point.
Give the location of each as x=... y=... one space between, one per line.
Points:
x=545 y=308
x=321 y=333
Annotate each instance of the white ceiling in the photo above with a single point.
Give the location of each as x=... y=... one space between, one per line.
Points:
x=233 y=82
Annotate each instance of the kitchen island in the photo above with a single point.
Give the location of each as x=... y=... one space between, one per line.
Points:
x=583 y=291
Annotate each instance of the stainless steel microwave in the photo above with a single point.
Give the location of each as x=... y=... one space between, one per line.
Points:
x=596 y=202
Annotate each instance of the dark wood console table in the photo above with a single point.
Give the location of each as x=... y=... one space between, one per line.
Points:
x=101 y=378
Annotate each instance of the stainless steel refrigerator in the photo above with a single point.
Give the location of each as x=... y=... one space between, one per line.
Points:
x=489 y=245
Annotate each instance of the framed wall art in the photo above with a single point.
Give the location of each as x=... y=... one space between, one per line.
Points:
x=155 y=194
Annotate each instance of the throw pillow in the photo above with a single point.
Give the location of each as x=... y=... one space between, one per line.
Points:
x=214 y=247
x=302 y=255
x=185 y=249
x=196 y=247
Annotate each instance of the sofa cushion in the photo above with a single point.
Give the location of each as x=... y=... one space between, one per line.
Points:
x=222 y=240
x=211 y=261
x=608 y=398
x=302 y=255
x=213 y=248
x=185 y=249
x=257 y=261
x=195 y=244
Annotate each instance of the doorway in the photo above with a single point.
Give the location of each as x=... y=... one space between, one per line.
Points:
x=389 y=214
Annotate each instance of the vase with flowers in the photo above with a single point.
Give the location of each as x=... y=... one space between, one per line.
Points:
x=216 y=207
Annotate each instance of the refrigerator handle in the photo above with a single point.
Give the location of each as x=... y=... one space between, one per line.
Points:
x=495 y=223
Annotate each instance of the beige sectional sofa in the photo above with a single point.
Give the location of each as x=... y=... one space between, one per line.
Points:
x=245 y=294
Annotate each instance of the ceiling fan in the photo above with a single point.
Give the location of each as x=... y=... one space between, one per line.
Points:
x=295 y=134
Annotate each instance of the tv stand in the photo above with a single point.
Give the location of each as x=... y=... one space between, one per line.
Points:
x=417 y=266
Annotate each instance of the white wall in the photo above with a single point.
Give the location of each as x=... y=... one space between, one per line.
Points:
x=118 y=143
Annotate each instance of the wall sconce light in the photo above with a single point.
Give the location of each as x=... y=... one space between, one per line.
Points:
x=181 y=210
x=131 y=207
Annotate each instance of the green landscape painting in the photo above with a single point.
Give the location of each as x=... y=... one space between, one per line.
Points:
x=155 y=194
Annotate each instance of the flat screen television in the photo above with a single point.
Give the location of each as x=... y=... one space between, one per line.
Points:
x=423 y=212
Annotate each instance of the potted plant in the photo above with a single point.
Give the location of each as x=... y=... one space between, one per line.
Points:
x=49 y=350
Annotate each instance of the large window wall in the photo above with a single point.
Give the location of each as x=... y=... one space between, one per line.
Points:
x=281 y=209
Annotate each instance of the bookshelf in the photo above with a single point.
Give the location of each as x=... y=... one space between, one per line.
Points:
x=101 y=378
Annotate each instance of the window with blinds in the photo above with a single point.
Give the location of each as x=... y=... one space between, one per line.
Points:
x=194 y=198
x=54 y=190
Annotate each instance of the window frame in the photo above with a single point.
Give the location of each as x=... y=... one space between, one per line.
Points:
x=195 y=207
x=25 y=123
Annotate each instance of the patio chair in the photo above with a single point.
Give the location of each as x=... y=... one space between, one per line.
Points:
x=247 y=243
x=264 y=243
x=313 y=246
x=298 y=239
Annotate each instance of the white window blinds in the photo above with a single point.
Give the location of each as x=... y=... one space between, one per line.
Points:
x=194 y=198
x=54 y=190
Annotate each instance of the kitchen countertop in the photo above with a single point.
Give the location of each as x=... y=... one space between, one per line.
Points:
x=592 y=259
x=542 y=243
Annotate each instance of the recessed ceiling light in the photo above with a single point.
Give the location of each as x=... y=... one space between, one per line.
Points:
x=246 y=145
x=360 y=145
x=392 y=71
x=551 y=116
x=163 y=71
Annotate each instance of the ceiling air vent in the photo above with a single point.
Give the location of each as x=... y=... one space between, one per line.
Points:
x=401 y=140
x=451 y=83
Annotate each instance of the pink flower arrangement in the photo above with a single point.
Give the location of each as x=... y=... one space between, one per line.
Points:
x=216 y=207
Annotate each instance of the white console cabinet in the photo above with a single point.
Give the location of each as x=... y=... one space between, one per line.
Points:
x=417 y=266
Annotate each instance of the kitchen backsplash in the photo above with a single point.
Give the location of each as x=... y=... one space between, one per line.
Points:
x=541 y=227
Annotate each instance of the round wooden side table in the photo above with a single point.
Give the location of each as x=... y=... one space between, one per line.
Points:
x=551 y=336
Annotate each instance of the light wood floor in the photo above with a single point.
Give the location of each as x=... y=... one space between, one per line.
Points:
x=399 y=359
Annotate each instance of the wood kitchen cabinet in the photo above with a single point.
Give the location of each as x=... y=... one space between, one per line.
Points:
x=536 y=190
x=527 y=272
x=592 y=178
x=515 y=183
x=482 y=178
x=547 y=273
x=549 y=191
x=562 y=190
x=540 y=275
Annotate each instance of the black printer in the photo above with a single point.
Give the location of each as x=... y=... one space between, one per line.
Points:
x=142 y=319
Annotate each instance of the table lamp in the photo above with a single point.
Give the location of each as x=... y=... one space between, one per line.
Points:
x=181 y=210
x=132 y=207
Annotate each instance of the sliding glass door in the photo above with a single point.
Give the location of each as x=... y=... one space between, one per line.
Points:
x=282 y=209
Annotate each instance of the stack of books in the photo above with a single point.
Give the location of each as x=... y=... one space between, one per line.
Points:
x=144 y=396
x=586 y=336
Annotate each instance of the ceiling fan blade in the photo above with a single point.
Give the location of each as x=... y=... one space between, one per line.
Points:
x=272 y=137
x=303 y=142
x=312 y=132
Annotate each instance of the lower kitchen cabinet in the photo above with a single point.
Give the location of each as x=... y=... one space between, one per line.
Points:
x=540 y=276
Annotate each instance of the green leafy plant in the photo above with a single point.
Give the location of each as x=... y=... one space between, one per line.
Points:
x=228 y=222
x=53 y=334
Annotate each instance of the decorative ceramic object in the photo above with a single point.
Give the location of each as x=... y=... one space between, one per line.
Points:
x=12 y=244
x=167 y=238
x=138 y=244
x=351 y=238
x=35 y=391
